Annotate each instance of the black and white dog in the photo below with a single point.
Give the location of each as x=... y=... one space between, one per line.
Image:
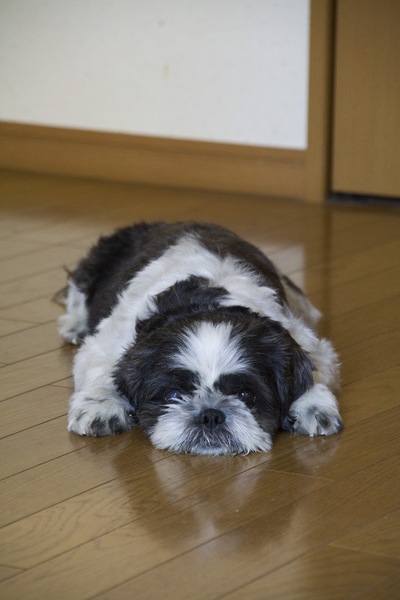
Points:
x=194 y=335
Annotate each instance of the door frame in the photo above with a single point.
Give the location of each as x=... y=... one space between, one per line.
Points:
x=321 y=63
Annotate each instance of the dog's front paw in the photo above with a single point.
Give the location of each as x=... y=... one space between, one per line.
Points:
x=314 y=413
x=99 y=416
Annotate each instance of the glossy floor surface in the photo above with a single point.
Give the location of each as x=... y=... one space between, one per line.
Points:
x=114 y=518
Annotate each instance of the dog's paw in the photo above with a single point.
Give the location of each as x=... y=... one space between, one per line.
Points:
x=314 y=413
x=99 y=416
x=71 y=330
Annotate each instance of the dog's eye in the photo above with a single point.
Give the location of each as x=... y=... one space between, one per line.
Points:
x=246 y=396
x=172 y=395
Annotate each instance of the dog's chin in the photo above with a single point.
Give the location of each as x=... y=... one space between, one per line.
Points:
x=241 y=434
x=204 y=444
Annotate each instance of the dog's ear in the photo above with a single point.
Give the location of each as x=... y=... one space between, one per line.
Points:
x=128 y=377
x=136 y=374
x=301 y=372
x=288 y=363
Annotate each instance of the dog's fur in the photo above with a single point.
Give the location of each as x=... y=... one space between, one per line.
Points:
x=194 y=335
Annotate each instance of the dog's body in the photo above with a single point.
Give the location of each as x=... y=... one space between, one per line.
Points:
x=194 y=335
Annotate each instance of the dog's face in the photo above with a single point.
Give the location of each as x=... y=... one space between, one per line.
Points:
x=211 y=383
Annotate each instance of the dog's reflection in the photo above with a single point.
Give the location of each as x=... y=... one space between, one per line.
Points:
x=181 y=499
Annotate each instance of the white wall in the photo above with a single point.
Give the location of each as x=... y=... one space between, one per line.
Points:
x=220 y=70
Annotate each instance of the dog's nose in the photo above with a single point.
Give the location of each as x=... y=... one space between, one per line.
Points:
x=211 y=417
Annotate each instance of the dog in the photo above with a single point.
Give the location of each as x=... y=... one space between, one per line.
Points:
x=193 y=334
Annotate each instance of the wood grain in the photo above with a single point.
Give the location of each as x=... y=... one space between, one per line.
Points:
x=34 y=372
x=315 y=576
x=28 y=343
x=27 y=410
x=380 y=537
x=36 y=311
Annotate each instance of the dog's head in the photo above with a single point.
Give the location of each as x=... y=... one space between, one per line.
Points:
x=213 y=383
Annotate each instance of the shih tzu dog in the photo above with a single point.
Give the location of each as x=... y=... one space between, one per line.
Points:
x=194 y=335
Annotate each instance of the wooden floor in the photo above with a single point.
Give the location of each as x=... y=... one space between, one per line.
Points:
x=116 y=519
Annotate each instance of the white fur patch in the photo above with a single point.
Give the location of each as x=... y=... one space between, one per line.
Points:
x=210 y=351
x=73 y=325
x=316 y=412
x=113 y=414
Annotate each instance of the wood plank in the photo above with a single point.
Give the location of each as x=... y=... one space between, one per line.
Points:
x=364 y=286
x=67 y=383
x=12 y=223
x=316 y=575
x=30 y=342
x=345 y=269
x=35 y=372
x=6 y=572
x=41 y=310
x=352 y=230
x=386 y=590
x=315 y=247
x=10 y=248
x=347 y=298
x=153 y=491
x=69 y=231
x=37 y=445
x=381 y=537
x=364 y=323
x=370 y=396
x=348 y=452
x=70 y=475
x=21 y=291
x=8 y=326
x=362 y=217
x=40 y=261
x=32 y=408
x=141 y=551
x=384 y=352
x=268 y=543
x=366 y=262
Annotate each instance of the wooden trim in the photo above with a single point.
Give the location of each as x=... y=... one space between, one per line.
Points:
x=151 y=160
x=318 y=167
x=366 y=136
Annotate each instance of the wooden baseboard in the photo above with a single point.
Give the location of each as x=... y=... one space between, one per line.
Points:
x=156 y=161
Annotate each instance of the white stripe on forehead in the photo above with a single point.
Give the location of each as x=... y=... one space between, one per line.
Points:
x=210 y=351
